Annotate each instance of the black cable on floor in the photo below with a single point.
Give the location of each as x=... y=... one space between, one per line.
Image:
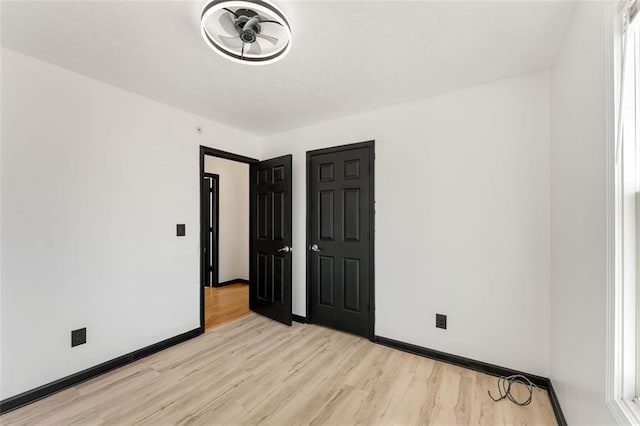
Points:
x=504 y=389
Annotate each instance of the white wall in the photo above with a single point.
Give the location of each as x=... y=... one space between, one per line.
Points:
x=234 y=217
x=94 y=181
x=462 y=225
x=578 y=218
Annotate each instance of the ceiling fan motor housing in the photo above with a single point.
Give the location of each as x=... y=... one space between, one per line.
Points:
x=248 y=36
x=248 y=25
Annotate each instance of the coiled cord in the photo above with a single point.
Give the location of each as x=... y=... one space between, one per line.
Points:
x=504 y=389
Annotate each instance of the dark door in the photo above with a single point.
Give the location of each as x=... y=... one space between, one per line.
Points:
x=270 y=269
x=205 y=205
x=210 y=206
x=340 y=236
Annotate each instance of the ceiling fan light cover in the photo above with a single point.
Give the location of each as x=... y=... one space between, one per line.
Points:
x=251 y=32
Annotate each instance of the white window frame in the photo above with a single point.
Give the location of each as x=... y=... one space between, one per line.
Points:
x=631 y=129
x=623 y=228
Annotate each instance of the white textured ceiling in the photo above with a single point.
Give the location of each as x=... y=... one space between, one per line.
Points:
x=347 y=56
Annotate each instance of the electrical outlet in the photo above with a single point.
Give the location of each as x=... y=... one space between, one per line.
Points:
x=180 y=230
x=441 y=321
x=78 y=337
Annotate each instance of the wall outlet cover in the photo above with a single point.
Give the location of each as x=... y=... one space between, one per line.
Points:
x=441 y=321
x=78 y=337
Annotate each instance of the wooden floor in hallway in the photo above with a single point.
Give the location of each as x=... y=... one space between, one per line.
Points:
x=224 y=304
x=257 y=371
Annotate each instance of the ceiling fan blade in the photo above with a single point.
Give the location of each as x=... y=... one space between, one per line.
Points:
x=231 y=42
x=227 y=24
x=254 y=49
x=267 y=20
x=270 y=39
x=230 y=11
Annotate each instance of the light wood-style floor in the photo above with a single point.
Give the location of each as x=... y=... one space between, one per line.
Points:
x=225 y=304
x=254 y=370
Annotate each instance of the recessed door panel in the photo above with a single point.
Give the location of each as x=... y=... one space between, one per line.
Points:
x=277 y=174
x=263 y=215
x=351 y=283
x=264 y=286
x=326 y=213
x=352 y=169
x=278 y=216
x=325 y=172
x=263 y=177
x=278 y=278
x=326 y=274
x=351 y=214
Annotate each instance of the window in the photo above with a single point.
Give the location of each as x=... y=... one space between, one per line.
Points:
x=624 y=360
x=631 y=172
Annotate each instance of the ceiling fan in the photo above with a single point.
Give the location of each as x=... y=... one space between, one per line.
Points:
x=246 y=31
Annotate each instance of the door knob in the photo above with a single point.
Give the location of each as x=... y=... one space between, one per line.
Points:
x=285 y=249
x=314 y=247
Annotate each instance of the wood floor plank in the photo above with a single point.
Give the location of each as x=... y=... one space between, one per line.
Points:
x=224 y=304
x=257 y=371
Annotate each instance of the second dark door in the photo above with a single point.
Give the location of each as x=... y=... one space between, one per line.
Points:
x=340 y=237
x=211 y=208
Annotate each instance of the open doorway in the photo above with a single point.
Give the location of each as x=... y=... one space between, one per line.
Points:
x=245 y=237
x=224 y=236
